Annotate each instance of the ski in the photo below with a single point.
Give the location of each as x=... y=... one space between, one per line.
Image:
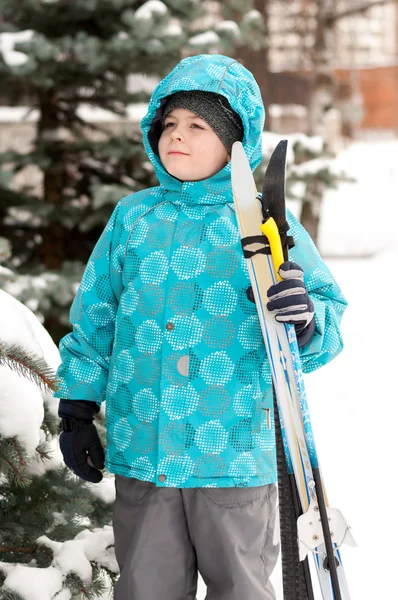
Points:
x=262 y=224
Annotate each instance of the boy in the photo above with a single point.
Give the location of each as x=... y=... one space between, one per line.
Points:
x=164 y=329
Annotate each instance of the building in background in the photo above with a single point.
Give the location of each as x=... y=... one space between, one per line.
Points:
x=365 y=61
x=369 y=39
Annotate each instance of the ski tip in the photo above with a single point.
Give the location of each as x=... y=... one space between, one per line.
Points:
x=239 y=163
x=279 y=153
x=237 y=150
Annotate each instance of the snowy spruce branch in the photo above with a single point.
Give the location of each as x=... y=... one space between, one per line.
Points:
x=27 y=365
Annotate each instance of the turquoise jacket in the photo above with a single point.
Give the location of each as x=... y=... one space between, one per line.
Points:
x=162 y=326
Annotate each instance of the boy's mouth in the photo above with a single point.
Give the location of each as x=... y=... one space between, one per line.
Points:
x=177 y=152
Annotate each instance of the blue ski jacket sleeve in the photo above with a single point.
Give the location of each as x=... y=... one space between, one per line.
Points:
x=329 y=302
x=87 y=350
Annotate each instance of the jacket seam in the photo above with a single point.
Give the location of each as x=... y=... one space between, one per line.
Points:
x=136 y=222
x=177 y=72
x=225 y=74
x=221 y=80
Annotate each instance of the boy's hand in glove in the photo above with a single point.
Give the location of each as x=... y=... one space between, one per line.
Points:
x=79 y=441
x=290 y=303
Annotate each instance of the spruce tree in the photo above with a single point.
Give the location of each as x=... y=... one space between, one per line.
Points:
x=45 y=511
x=78 y=58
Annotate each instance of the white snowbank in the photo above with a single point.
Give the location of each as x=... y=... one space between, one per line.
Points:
x=360 y=219
x=72 y=556
x=21 y=401
x=32 y=583
x=21 y=409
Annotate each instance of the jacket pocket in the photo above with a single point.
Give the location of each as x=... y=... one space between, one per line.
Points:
x=236 y=496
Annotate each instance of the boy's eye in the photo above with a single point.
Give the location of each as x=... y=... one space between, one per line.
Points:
x=169 y=124
x=197 y=126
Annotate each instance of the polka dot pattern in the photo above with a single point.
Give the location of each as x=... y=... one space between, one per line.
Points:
x=163 y=329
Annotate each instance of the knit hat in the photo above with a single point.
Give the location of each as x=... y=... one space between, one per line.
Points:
x=212 y=108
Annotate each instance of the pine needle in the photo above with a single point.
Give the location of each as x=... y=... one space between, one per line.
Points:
x=28 y=365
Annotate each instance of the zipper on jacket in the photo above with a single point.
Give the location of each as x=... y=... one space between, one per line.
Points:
x=268 y=417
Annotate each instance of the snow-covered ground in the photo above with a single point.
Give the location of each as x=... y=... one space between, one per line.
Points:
x=353 y=400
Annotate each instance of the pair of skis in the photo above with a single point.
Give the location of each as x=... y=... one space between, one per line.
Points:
x=320 y=530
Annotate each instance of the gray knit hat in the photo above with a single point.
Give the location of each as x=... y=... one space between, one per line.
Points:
x=212 y=108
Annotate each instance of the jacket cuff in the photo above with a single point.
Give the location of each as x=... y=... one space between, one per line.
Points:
x=83 y=410
x=305 y=336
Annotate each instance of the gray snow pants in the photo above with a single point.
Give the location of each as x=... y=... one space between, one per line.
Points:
x=164 y=536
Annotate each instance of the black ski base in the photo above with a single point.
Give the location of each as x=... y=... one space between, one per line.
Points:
x=297 y=584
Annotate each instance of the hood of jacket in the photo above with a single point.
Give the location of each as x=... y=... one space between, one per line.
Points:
x=221 y=75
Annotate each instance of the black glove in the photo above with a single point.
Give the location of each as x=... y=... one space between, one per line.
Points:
x=290 y=302
x=79 y=441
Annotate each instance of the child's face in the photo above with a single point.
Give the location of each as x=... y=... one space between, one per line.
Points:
x=189 y=148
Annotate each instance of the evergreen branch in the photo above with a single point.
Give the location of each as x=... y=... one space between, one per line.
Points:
x=28 y=365
x=9 y=595
x=91 y=590
x=21 y=550
x=111 y=574
x=19 y=452
x=74 y=121
x=50 y=423
x=43 y=453
x=12 y=198
x=75 y=584
x=13 y=468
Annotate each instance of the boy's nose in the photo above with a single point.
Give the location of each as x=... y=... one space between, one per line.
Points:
x=176 y=136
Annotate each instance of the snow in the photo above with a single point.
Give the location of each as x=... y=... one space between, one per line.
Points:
x=359 y=219
x=311 y=167
x=152 y=8
x=21 y=401
x=72 y=556
x=229 y=28
x=172 y=29
x=208 y=38
x=278 y=110
x=7 y=42
x=97 y=545
x=87 y=112
x=19 y=325
x=33 y=583
x=353 y=400
x=38 y=467
x=105 y=490
x=253 y=17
